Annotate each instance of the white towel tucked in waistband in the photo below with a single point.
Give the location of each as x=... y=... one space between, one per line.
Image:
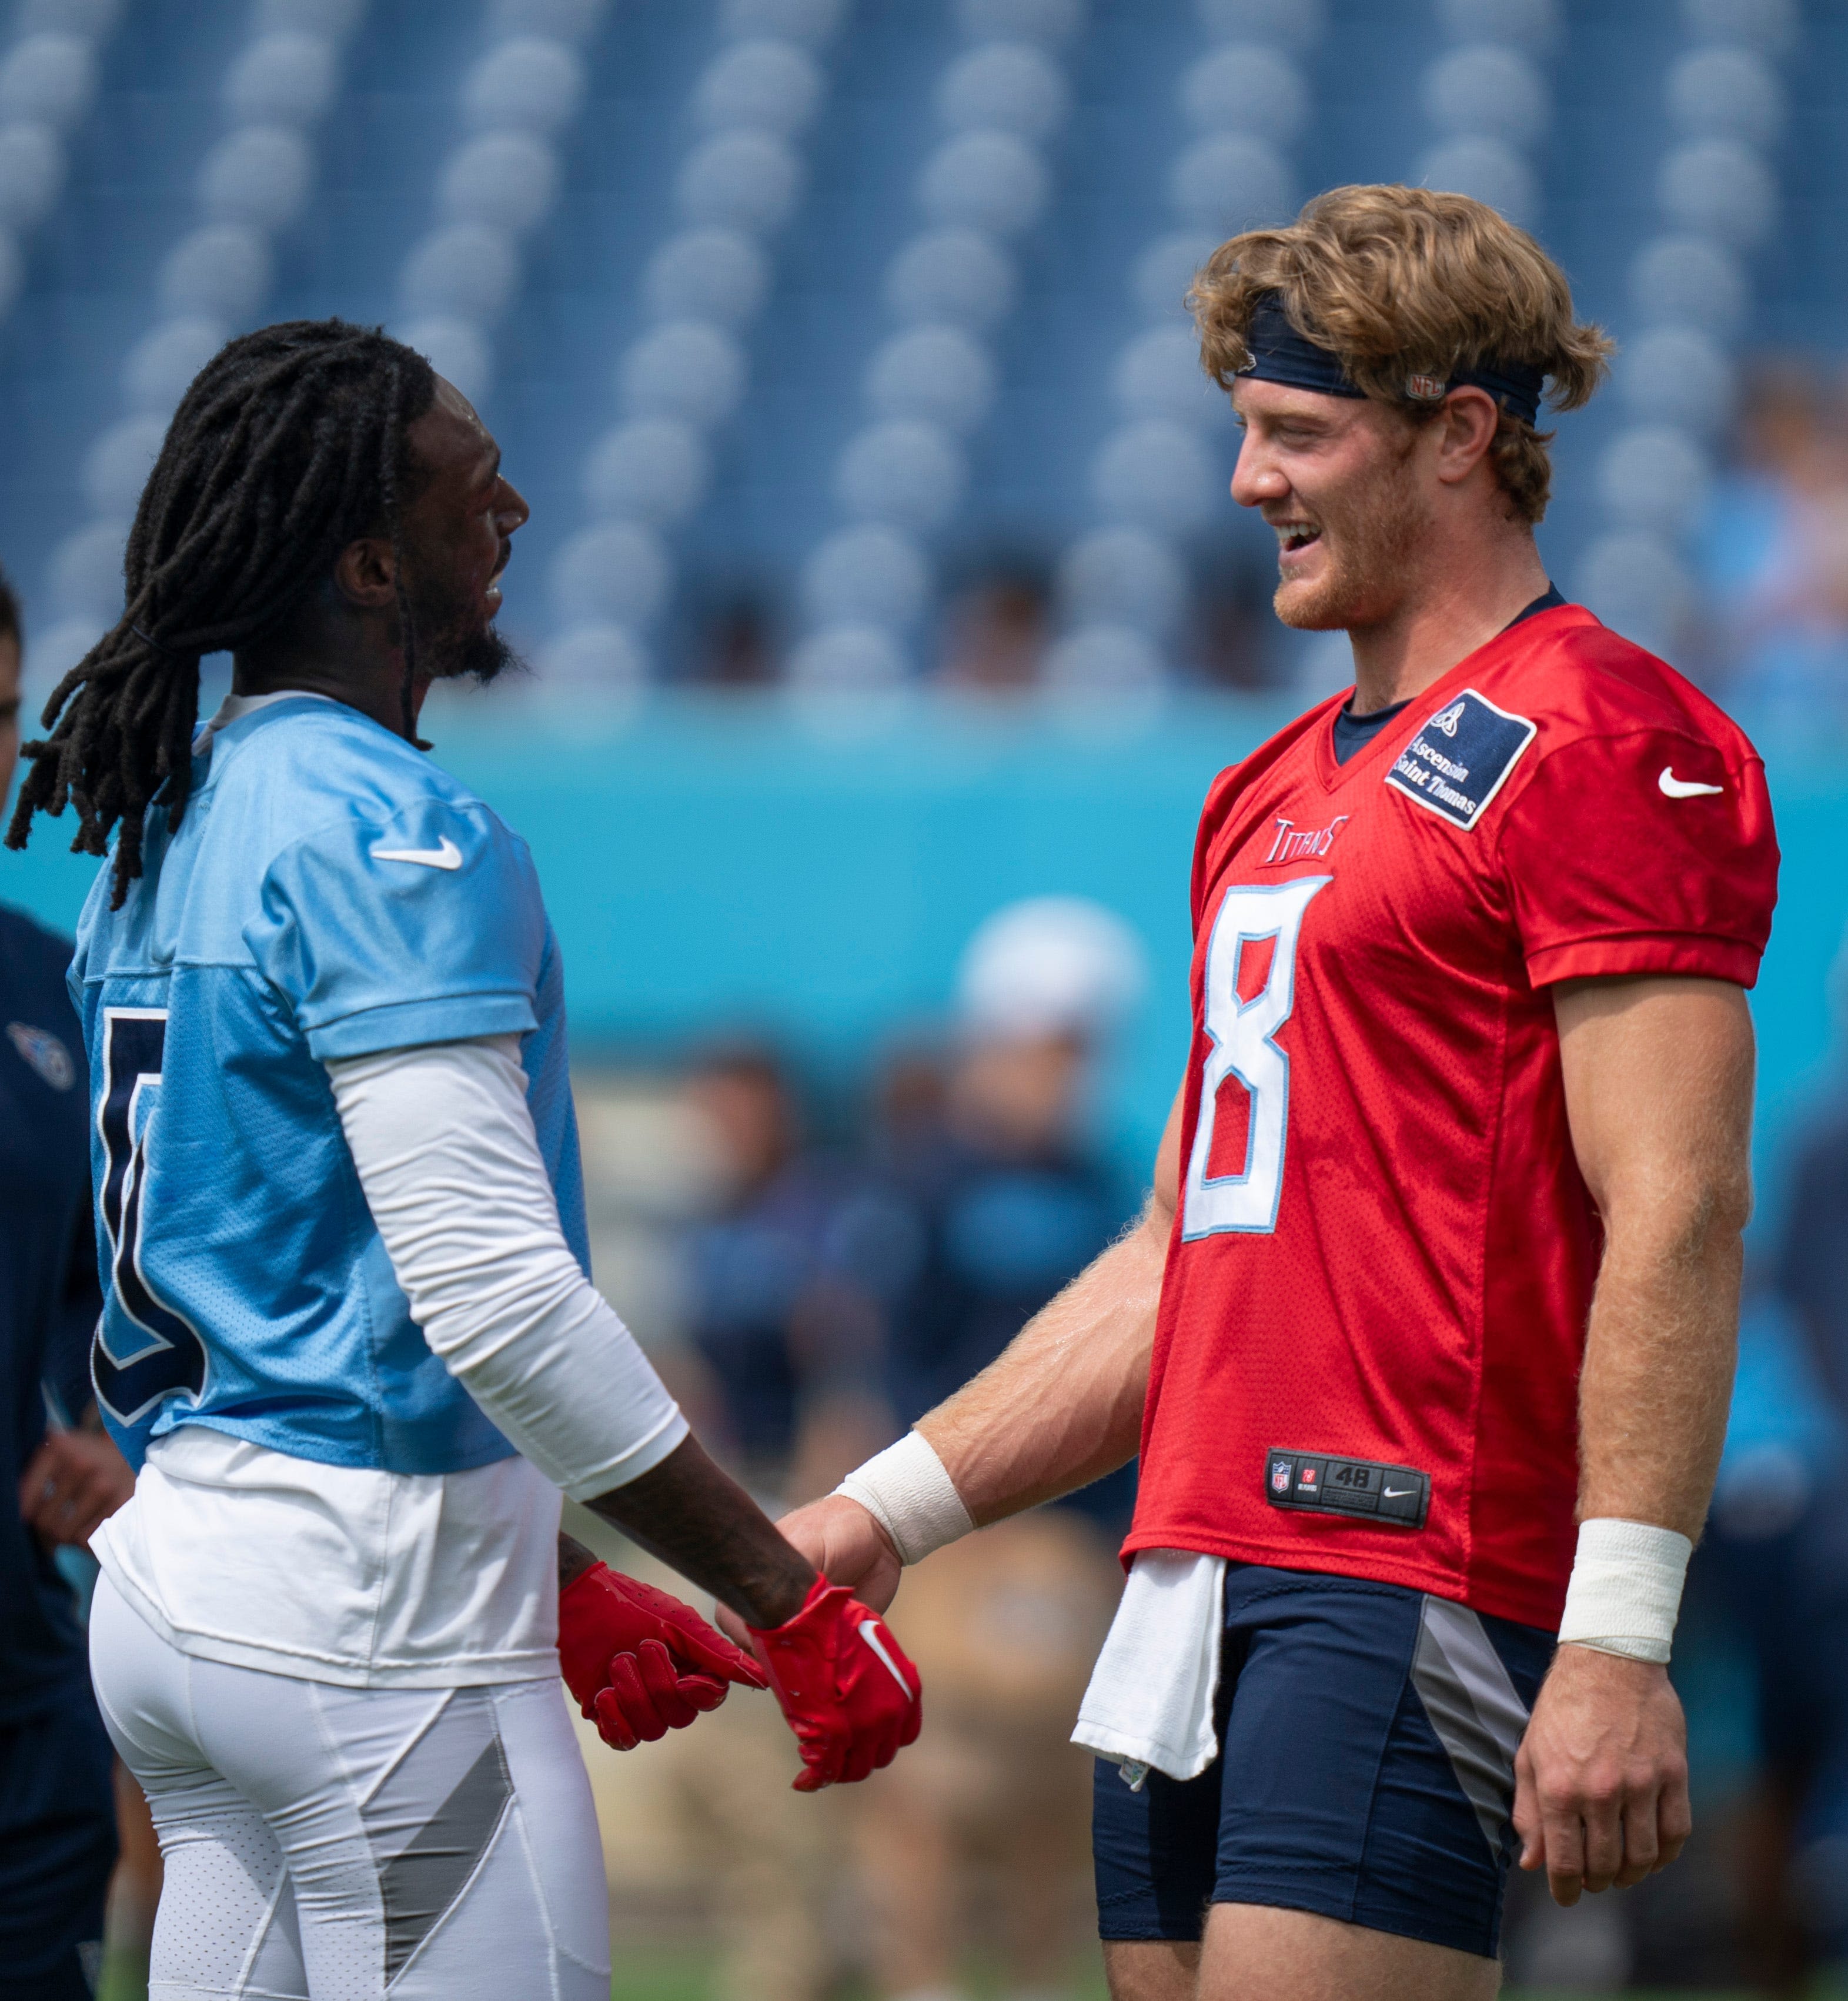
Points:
x=1150 y=1699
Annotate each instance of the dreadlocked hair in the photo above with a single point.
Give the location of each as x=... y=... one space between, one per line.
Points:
x=289 y=444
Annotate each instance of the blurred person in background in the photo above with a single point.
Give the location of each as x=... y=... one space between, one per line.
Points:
x=1777 y=1547
x=1234 y=632
x=786 y=1282
x=996 y=633
x=57 y=1806
x=737 y=652
x=1774 y=547
x=1768 y=1590
x=1009 y=1203
x=1009 y=1198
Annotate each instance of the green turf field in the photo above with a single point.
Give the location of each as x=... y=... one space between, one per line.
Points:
x=685 y=1975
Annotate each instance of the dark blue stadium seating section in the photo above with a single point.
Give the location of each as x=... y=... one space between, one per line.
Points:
x=89 y=291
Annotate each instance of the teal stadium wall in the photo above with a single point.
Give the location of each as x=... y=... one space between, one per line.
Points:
x=712 y=866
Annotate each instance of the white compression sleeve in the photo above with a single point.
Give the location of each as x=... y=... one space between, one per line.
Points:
x=444 y=1141
x=1625 y=1592
x=906 y=1491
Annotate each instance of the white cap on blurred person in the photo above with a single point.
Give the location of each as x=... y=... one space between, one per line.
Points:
x=1050 y=965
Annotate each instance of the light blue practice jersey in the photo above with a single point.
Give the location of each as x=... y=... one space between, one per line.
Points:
x=329 y=892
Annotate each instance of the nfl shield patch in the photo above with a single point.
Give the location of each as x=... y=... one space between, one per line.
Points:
x=1280 y=1469
x=1461 y=757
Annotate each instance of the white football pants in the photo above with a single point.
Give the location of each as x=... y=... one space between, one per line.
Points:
x=336 y=1844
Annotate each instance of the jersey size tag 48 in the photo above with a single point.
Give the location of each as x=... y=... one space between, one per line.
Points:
x=1461 y=757
x=1331 y=1486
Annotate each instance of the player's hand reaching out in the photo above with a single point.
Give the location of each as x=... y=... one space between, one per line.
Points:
x=638 y=1662
x=844 y=1542
x=848 y=1690
x=1601 y=1779
x=852 y=1698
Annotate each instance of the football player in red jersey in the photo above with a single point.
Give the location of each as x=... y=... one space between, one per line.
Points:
x=1427 y=1333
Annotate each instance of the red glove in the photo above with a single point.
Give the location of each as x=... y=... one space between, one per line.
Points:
x=852 y=1697
x=639 y=1662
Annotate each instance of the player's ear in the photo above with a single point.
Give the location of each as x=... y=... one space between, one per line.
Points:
x=363 y=573
x=1466 y=430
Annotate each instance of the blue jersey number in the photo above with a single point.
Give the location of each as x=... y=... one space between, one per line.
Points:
x=171 y=1360
x=1242 y=1032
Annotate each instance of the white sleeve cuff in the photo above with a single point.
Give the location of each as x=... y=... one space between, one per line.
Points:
x=1625 y=1592
x=907 y=1492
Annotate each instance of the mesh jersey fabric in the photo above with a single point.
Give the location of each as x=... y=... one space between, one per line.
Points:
x=1385 y=1249
x=330 y=891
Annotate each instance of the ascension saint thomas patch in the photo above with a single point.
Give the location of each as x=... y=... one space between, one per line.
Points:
x=1461 y=757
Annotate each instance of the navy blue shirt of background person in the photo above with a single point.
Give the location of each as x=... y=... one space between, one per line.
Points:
x=998 y=1238
x=49 y=1299
x=785 y=1294
x=1812 y=1265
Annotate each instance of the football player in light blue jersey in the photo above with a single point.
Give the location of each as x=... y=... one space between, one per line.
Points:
x=349 y=1338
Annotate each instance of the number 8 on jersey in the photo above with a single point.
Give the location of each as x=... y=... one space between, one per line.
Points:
x=1242 y=1033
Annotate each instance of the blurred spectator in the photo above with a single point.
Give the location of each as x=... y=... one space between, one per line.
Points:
x=737 y=651
x=1802 y=1634
x=1009 y=1205
x=1010 y=1201
x=1768 y=1593
x=1770 y=1579
x=785 y=1286
x=1236 y=629
x=1813 y=1269
x=1774 y=551
x=995 y=637
x=909 y=1090
x=981 y=1830
x=61 y=1474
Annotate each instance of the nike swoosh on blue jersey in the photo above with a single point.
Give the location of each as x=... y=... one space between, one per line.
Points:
x=446 y=856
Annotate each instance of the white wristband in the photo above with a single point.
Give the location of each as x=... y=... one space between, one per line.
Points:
x=1625 y=1593
x=907 y=1492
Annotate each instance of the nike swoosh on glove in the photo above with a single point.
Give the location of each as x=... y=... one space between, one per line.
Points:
x=852 y=1698
x=638 y=1662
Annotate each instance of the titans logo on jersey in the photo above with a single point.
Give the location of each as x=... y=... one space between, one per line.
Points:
x=330 y=893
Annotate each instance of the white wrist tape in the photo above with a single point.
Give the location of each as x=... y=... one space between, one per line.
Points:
x=907 y=1492
x=1625 y=1593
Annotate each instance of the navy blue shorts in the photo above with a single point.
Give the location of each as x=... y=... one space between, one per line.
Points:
x=1367 y=1735
x=58 y=1845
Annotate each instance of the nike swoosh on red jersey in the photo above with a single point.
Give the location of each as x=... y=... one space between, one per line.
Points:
x=1673 y=787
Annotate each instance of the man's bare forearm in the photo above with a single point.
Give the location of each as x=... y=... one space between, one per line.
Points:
x=1658 y=1379
x=693 y=1516
x=1658 y=1077
x=1063 y=1405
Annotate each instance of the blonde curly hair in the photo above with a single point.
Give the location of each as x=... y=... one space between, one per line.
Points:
x=1399 y=281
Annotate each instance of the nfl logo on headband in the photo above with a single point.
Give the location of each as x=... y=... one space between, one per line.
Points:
x=1426 y=388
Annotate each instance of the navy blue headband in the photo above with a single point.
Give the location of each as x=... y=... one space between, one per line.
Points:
x=1280 y=354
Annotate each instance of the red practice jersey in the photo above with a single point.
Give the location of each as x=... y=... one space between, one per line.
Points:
x=1384 y=1258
